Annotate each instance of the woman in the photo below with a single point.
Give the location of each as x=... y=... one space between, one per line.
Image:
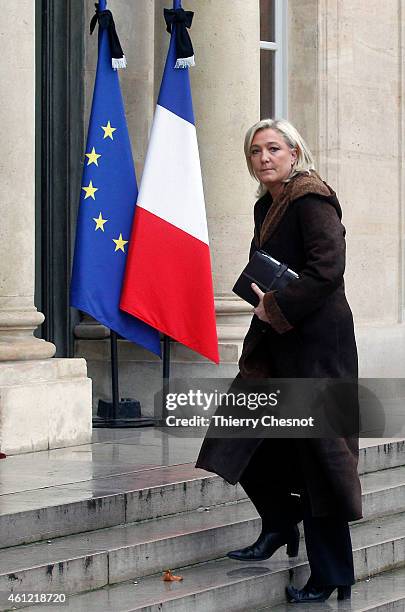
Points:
x=303 y=330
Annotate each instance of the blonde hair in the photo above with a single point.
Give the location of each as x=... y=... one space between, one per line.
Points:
x=292 y=138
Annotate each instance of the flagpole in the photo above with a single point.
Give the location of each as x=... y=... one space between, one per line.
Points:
x=114 y=375
x=166 y=357
x=166 y=369
x=166 y=339
x=124 y=412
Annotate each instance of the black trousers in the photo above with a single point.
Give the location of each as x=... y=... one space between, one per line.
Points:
x=327 y=539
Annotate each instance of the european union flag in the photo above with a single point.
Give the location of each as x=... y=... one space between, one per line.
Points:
x=107 y=205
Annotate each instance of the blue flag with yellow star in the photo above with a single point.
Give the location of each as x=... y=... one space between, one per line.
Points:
x=107 y=206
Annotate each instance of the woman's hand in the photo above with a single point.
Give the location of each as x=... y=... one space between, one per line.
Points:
x=259 y=310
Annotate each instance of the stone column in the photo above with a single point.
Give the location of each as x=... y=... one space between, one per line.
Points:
x=34 y=390
x=18 y=315
x=226 y=94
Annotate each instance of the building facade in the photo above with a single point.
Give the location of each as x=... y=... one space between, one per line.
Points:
x=334 y=68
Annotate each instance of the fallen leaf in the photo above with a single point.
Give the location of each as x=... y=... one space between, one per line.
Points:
x=169 y=577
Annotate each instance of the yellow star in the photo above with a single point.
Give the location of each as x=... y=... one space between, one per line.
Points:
x=93 y=157
x=119 y=244
x=108 y=130
x=100 y=222
x=90 y=191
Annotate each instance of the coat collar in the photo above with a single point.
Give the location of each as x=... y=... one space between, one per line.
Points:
x=302 y=184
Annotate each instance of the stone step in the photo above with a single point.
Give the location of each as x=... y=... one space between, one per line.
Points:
x=382 y=593
x=383 y=492
x=93 y=559
x=50 y=512
x=224 y=585
x=380 y=454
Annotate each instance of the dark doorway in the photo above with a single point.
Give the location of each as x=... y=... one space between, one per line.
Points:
x=59 y=145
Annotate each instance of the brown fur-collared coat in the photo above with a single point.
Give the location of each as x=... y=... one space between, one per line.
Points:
x=310 y=335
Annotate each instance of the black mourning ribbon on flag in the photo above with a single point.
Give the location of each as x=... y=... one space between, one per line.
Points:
x=106 y=22
x=184 y=48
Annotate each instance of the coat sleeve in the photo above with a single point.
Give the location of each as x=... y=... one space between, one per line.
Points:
x=256 y=233
x=324 y=246
x=252 y=249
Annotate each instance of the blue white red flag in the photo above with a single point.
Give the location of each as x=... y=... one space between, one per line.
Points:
x=168 y=279
x=107 y=205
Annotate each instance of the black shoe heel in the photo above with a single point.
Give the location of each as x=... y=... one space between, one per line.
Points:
x=344 y=592
x=267 y=544
x=312 y=594
x=293 y=547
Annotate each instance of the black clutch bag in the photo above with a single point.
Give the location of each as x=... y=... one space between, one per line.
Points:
x=266 y=272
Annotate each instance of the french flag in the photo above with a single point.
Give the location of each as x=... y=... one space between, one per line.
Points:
x=168 y=278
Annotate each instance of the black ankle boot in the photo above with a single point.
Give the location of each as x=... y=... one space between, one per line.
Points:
x=267 y=544
x=311 y=593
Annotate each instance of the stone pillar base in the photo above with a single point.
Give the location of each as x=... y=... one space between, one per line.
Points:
x=18 y=320
x=44 y=404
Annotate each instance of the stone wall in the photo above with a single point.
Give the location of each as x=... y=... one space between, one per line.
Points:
x=346 y=94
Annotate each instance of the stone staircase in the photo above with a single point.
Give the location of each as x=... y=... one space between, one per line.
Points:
x=105 y=542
